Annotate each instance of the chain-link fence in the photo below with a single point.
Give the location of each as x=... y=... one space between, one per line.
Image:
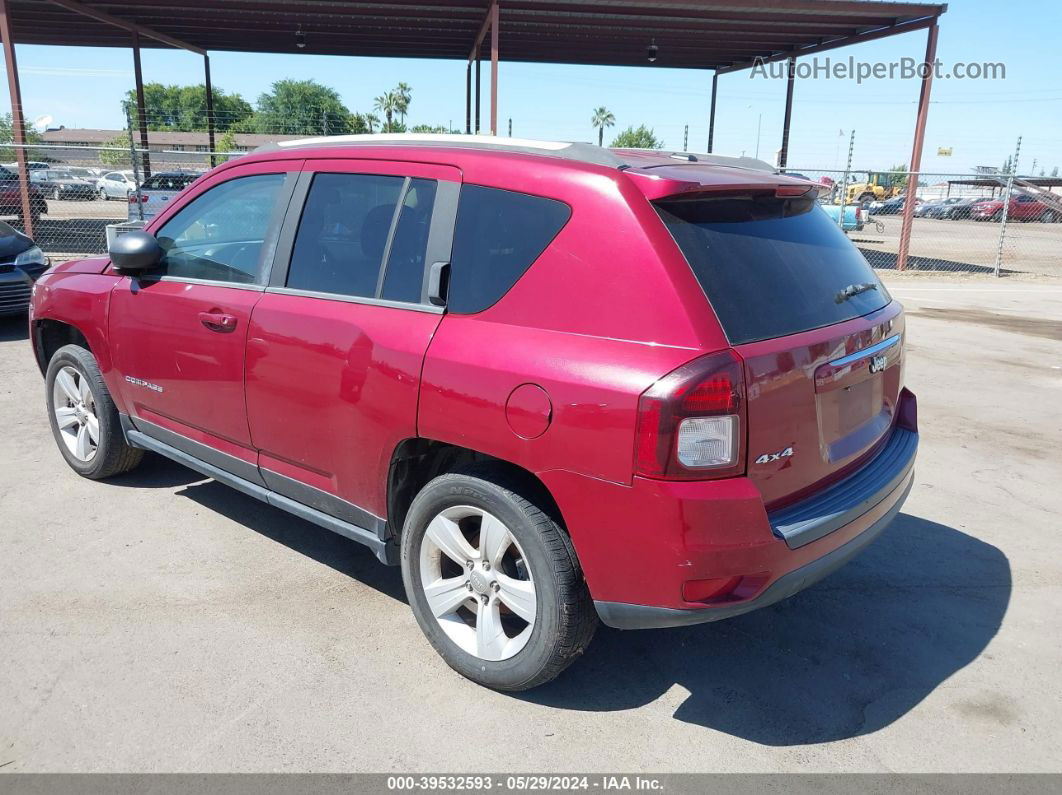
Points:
x=961 y=222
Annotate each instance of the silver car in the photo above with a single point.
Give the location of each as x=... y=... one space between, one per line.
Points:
x=116 y=185
x=157 y=191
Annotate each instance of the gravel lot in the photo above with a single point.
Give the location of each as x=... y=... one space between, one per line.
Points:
x=162 y=622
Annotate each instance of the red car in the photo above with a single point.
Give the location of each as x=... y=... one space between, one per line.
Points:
x=555 y=383
x=11 y=197
x=1022 y=208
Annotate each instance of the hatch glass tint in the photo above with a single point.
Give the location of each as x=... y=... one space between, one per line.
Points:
x=772 y=266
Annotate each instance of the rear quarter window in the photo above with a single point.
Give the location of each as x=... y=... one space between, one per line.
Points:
x=772 y=266
x=499 y=234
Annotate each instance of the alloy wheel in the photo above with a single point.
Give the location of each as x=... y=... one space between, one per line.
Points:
x=74 y=407
x=478 y=583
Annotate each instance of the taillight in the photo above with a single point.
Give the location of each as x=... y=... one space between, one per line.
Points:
x=690 y=421
x=132 y=198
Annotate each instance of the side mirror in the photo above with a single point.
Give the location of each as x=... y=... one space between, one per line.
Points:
x=135 y=252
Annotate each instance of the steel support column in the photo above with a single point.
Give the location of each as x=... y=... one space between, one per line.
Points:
x=783 y=155
x=141 y=110
x=711 y=113
x=494 y=68
x=209 y=108
x=18 y=129
x=916 y=149
x=468 y=98
x=476 y=131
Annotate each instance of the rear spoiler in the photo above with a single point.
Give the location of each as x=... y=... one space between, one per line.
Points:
x=670 y=182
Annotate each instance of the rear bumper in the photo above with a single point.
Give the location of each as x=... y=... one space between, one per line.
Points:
x=642 y=547
x=628 y=616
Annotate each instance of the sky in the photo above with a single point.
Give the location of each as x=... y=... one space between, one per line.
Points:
x=979 y=120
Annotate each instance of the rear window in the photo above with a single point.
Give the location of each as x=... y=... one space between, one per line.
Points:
x=772 y=266
x=169 y=181
x=499 y=233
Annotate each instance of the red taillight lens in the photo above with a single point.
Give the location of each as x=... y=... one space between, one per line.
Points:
x=689 y=422
x=132 y=198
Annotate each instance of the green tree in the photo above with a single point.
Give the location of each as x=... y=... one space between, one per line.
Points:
x=640 y=137
x=7 y=136
x=387 y=104
x=373 y=121
x=117 y=151
x=226 y=143
x=184 y=108
x=899 y=176
x=429 y=128
x=301 y=107
x=405 y=96
x=601 y=119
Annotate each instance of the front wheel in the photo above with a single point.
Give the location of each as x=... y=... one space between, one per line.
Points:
x=493 y=580
x=103 y=194
x=83 y=417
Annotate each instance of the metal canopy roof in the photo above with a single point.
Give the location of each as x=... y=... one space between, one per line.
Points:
x=688 y=33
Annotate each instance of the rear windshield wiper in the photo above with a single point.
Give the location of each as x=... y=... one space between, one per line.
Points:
x=853 y=290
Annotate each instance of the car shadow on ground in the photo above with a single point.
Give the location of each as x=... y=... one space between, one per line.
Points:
x=345 y=556
x=14 y=328
x=845 y=658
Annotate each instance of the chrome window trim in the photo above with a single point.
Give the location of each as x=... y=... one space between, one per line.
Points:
x=876 y=348
x=356 y=299
x=205 y=282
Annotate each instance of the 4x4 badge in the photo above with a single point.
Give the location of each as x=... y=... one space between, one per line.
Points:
x=767 y=458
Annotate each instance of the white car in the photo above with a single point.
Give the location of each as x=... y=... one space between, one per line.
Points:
x=157 y=191
x=116 y=185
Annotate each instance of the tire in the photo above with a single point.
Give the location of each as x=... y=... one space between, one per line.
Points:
x=1048 y=217
x=103 y=194
x=56 y=194
x=79 y=377
x=537 y=556
x=866 y=198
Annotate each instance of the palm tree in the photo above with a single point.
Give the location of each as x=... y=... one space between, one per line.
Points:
x=602 y=118
x=387 y=104
x=405 y=96
x=370 y=120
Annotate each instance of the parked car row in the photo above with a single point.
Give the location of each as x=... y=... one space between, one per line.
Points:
x=1022 y=207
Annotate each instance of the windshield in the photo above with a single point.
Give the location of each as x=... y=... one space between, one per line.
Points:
x=772 y=266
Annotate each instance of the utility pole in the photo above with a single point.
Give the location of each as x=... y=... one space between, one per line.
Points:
x=844 y=186
x=1006 y=207
x=510 y=126
x=686 y=138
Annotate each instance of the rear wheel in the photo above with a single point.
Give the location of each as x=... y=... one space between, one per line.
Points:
x=493 y=580
x=83 y=417
x=56 y=194
x=1048 y=217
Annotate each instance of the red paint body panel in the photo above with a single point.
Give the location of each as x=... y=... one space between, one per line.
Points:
x=332 y=389
x=831 y=428
x=638 y=544
x=79 y=298
x=157 y=337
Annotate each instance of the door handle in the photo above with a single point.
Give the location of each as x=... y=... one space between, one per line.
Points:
x=218 y=321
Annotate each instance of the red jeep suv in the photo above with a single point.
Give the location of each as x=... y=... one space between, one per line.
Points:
x=555 y=383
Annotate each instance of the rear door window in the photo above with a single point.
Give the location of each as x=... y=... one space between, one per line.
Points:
x=499 y=233
x=772 y=266
x=364 y=236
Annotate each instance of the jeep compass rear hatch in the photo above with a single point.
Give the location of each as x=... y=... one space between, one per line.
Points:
x=819 y=335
